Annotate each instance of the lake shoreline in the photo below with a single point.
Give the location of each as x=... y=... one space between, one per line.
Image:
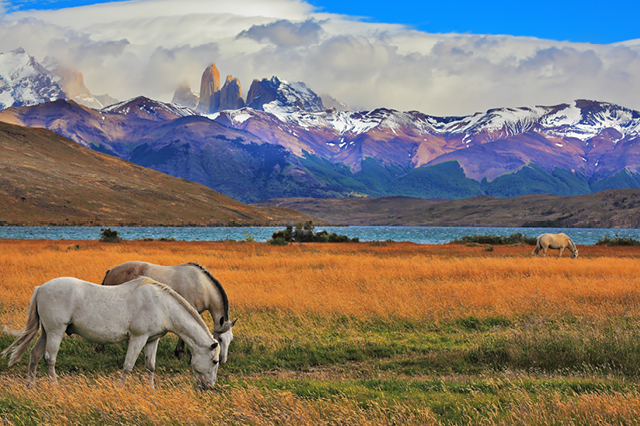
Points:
x=414 y=234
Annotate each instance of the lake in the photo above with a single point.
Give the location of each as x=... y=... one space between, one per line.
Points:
x=416 y=234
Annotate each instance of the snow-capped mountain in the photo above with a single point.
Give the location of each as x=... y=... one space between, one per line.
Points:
x=281 y=98
x=581 y=119
x=24 y=81
x=580 y=137
x=149 y=109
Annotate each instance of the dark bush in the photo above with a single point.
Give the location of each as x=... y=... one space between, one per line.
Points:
x=107 y=235
x=279 y=241
x=303 y=233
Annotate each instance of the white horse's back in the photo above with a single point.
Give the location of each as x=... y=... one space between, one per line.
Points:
x=97 y=313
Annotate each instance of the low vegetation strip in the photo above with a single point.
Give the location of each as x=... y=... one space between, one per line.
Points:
x=617 y=241
x=515 y=238
x=356 y=334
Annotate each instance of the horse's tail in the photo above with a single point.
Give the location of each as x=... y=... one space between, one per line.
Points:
x=18 y=348
x=105 y=276
x=538 y=247
x=7 y=330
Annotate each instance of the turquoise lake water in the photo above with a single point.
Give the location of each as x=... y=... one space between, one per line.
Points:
x=416 y=234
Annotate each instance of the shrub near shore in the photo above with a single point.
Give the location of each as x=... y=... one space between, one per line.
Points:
x=357 y=333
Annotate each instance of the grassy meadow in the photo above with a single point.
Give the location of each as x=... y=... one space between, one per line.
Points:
x=357 y=333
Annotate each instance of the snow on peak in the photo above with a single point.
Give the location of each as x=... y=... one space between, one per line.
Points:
x=24 y=81
x=280 y=96
x=144 y=107
x=586 y=119
x=579 y=119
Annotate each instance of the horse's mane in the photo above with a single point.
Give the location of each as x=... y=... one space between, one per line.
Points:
x=180 y=299
x=225 y=299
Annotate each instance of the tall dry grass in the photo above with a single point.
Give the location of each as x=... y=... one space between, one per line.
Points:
x=81 y=400
x=297 y=287
x=405 y=281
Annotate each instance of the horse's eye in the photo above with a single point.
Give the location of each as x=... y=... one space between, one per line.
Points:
x=215 y=362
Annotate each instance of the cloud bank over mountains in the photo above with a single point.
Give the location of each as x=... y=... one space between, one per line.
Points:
x=149 y=47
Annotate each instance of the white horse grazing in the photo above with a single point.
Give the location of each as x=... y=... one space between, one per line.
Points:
x=555 y=241
x=140 y=311
x=191 y=281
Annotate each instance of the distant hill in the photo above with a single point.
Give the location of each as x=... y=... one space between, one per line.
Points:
x=614 y=208
x=48 y=179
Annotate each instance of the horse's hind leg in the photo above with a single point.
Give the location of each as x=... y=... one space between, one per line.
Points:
x=53 y=340
x=179 y=351
x=36 y=355
x=150 y=359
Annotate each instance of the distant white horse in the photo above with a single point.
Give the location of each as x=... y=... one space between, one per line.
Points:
x=140 y=311
x=555 y=241
x=191 y=281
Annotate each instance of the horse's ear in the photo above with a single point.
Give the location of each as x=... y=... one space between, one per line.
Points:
x=214 y=345
x=234 y=322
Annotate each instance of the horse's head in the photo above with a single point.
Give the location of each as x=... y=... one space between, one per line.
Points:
x=574 y=255
x=204 y=362
x=224 y=335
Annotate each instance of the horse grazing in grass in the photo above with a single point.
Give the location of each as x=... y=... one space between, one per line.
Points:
x=140 y=311
x=555 y=241
x=191 y=281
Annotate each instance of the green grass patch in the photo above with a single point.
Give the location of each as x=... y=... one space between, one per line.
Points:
x=462 y=346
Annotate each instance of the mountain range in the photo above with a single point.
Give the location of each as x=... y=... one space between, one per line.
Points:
x=285 y=143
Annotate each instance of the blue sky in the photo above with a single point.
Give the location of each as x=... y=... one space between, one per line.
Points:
x=577 y=21
x=569 y=20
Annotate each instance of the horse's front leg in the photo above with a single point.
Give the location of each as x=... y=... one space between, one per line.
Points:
x=150 y=359
x=561 y=250
x=179 y=351
x=136 y=343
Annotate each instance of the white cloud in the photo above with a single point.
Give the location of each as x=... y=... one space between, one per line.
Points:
x=148 y=47
x=285 y=33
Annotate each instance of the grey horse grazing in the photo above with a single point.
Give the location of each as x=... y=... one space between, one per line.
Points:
x=555 y=241
x=191 y=281
x=140 y=311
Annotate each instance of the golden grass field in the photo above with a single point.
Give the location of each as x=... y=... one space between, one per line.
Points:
x=358 y=333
